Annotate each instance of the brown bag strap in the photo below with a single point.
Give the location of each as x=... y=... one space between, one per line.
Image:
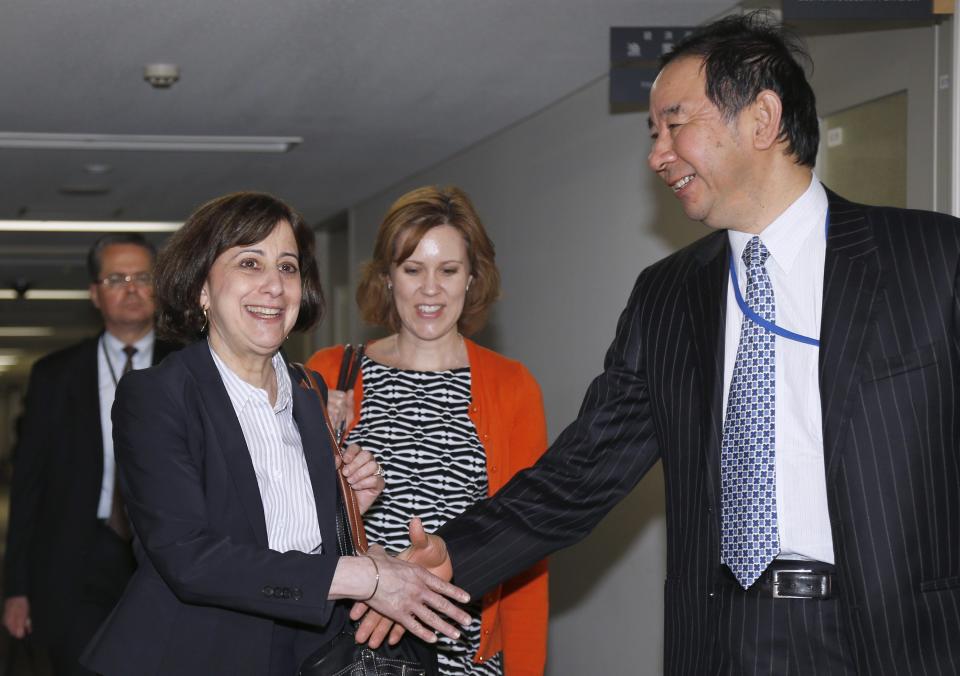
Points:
x=358 y=533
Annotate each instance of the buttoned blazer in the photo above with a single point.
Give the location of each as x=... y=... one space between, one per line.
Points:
x=208 y=591
x=890 y=393
x=57 y=479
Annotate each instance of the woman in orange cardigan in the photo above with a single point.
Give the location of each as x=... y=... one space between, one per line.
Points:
x=450 y=422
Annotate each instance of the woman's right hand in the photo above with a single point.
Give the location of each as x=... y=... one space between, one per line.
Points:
x=340 y=408
x=405 y=593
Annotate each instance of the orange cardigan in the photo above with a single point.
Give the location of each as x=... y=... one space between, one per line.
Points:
x=507 y=411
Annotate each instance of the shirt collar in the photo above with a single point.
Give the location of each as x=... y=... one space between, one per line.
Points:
x=284 y=388
x=241 y=392
x=785 y=236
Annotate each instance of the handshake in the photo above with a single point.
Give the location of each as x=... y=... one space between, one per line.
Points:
x=411 y=591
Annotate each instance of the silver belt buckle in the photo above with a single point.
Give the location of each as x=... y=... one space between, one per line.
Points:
x=824 y=583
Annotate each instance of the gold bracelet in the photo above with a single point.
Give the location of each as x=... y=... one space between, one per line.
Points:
x=376 y=584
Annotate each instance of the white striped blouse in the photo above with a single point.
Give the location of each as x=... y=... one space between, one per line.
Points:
x=276 y=450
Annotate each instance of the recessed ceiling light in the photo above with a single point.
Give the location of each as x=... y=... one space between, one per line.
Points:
x=47 y=294
x=25 y=331
x=146 y=142
x=88 y=226
x=97 y=168
x=83 y=190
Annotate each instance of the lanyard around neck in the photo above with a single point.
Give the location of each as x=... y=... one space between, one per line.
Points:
x=760 y=321
x=106 y=355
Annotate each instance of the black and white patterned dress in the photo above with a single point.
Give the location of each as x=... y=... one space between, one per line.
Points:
x=417 y=425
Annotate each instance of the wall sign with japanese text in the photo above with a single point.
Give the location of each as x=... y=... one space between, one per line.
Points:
x=643 y=44
x=633 y=62
x=857 y=9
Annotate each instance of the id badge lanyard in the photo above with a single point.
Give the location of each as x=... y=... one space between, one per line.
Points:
x=760 y=321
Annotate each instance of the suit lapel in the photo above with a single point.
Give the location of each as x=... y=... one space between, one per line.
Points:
x=706 y=298
x=84 y=404
x=851 y=287
x=319 y=457
x=229 y=435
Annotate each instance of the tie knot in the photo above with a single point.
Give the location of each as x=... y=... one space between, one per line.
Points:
x=755 y=255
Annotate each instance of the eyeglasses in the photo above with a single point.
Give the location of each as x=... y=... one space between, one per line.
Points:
x=117 y=280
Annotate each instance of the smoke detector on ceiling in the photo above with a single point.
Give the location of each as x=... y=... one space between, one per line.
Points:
x=161 y=75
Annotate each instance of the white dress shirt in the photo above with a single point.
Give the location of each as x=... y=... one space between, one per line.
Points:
x=797 y=244
x=110 y=362
x=276 y=450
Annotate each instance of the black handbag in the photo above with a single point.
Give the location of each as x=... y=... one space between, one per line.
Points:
x=343 y=656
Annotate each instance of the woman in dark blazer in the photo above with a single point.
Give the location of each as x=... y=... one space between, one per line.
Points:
x=228 y=475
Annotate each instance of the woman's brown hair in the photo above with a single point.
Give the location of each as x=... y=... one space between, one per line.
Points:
x=406 y=222
x=238 y=219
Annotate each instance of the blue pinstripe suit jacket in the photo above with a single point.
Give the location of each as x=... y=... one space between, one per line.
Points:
x=890 y=392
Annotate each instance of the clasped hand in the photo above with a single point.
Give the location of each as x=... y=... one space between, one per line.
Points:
x=428 y=552
x=362 y=472
x=415 y=597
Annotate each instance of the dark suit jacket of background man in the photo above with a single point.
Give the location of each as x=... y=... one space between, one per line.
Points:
x=890 y=392
x=57 y=478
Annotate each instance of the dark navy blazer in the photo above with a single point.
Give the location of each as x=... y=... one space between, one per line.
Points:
x=208 y=591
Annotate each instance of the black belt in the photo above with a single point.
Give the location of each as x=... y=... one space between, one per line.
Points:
x=793 y=580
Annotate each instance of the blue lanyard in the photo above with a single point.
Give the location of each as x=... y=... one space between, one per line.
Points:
x=760 y=321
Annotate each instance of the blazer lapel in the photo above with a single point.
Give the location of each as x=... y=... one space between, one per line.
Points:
x=161 y=349
x=319 y=457
x=705 y=291
x=851 y=287
x=229 y=435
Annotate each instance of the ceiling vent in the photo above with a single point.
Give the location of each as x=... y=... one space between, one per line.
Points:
x=84 y=190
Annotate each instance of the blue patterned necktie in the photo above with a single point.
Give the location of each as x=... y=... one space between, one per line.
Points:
x=750 y=540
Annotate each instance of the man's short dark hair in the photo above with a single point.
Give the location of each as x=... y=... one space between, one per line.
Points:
x=95 y=254
x=746 y=54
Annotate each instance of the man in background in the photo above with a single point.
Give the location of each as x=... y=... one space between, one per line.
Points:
x=68 y=552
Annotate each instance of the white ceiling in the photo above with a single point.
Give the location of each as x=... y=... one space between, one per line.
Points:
x=377 y=89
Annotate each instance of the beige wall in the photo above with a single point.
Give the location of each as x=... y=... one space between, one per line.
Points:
x=853 y=68
x=868 y=161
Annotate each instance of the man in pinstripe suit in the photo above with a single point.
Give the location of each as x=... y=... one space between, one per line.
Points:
x=862 y=573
